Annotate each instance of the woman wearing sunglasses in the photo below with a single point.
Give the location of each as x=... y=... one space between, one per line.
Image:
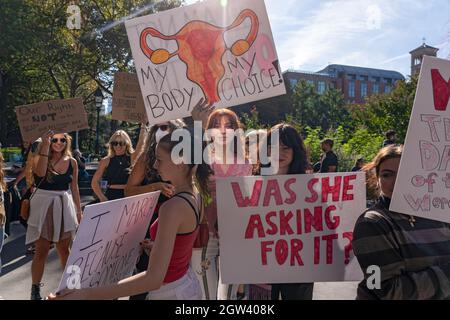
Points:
x=116 y=166
x=55 y=209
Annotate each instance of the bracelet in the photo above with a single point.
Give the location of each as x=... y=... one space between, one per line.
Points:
x=44 y=155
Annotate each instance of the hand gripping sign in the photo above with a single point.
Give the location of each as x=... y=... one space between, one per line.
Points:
x=201 y=47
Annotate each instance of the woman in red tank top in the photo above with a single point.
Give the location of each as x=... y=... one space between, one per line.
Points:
x=169 y=275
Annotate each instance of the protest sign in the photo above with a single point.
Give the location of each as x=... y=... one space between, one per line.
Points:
x=127 y=103
x=106 y=246
x=289 y=228
x=422 y=187
x=58 y=115
x=222 y=52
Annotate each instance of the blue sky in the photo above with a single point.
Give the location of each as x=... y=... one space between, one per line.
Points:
x=310 y=34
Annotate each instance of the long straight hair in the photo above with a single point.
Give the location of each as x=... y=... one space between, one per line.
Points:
x=51 y=172
x=290 y=137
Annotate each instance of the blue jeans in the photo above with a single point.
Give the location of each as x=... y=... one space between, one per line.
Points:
x=2 y=236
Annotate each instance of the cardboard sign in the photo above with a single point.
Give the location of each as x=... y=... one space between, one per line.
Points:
x=422 y=187
x=58 y=115
x=290 y=228
x=224 y=53
x=127 y=103
x=106 y=246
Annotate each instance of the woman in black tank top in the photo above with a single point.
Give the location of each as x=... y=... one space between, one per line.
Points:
x=115 y=168
x=55 y=209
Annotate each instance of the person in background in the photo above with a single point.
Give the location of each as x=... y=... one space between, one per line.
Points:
x=116 y=166
x=413 y=253
x=391 y=138
x=169 y=274
x=83 y=175
x=55 y=208
x=329 y=161
x=359 y=163
x=293 y=159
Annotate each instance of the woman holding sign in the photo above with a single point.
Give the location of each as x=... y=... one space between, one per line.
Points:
x=402 y=256
x=227 y=158
x=292 y=159
x=116 y=166
x=55 y=209
x=169 y=275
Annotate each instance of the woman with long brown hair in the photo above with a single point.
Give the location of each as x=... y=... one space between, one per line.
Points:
x=169 y=275
x=412 y=253
x=227 y=158
x=55 y=208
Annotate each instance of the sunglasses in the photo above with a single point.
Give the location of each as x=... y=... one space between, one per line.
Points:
x=62 y=140
x=118 y=143
x=163 y=127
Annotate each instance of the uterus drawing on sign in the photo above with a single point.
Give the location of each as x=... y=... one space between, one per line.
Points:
x=201 y=47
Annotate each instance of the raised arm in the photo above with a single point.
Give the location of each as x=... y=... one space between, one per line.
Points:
x=140 y=144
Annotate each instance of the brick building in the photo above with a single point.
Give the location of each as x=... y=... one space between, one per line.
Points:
x=356 y=83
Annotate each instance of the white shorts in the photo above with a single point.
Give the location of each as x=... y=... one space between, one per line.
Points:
x=185 y=288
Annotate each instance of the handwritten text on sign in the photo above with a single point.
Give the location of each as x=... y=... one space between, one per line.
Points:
x=225 y=54
x=292 y=228
x=423 y=182
x=58 y=115
x=106 y=247
x=127 y=104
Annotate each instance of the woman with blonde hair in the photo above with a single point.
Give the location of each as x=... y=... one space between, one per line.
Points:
x=116 y=166
x=55 y=209
x=412 y=253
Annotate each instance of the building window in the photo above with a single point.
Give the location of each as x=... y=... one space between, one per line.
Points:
x=351 y=89
x=363 y=89
x=376 y=88
x=387 y=88
x=321 y=87
x=293 y=83
x=310 y=82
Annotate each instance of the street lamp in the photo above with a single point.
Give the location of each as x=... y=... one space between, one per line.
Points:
x=98 y=104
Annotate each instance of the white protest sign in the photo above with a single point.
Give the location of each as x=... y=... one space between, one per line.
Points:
x=289 y=228
x=223 y=52
x=106 y=246
x=422 y=187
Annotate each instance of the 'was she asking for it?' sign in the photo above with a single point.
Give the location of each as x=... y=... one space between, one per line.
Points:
x=289 y=228
x=223 y=53
x=422 y=187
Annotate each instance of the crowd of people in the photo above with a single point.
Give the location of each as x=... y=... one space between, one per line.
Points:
x=413 y=253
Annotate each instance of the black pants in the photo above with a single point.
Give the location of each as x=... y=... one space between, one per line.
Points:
x=141 y=266
x=292 y=291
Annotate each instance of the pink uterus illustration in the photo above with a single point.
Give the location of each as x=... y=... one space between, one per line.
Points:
x=201 y=47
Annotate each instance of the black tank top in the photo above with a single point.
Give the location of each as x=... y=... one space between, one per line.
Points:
x=118 y=170
x=59 y=182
